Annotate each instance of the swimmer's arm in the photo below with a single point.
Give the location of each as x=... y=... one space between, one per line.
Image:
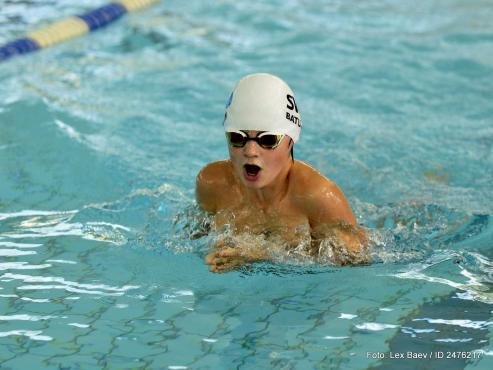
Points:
x=205 y=190
x=332 y=221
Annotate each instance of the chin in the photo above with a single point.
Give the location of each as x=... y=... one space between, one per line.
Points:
x=253 y=185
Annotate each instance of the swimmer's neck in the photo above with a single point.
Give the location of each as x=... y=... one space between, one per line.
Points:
x=271 y=194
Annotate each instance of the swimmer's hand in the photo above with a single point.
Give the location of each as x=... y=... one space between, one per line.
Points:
x=225 y=256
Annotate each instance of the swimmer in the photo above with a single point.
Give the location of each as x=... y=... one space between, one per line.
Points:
x=262 y=193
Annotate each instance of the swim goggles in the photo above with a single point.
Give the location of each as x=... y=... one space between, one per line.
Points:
x=267 y=140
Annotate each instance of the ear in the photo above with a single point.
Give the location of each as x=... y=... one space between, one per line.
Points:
x=291 y=144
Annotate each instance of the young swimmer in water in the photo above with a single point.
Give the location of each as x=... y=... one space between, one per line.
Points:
x=262 y=191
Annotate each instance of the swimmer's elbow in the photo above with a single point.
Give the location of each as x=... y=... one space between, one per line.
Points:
x=353 y=238
x=357 y=247
x=348 y=246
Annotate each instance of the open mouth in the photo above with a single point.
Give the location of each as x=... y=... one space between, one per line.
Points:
x=251 y=171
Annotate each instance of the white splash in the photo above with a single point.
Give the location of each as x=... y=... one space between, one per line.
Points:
x=334 y=338
x=373 y=326
x=451 y=340
x=473 y=288
x=63 y=261
x=19 y=245
x=32 y=334
x=79 y=325
x=57 y=223
x=21 y=266
x=184 y=293
x=70 y=286
x=347 y=316
x=462 y=323
x=4 y=216
x=35 y=300
x=69 y=131
x=14 y=252
x=24 y=317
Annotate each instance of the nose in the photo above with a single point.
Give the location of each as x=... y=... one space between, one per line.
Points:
x=251 y=149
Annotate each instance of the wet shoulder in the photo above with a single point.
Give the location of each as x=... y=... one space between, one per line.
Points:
x=319 y=198
x=211 y=182
x=305 y=176
x=216 y=172
x=307 y=183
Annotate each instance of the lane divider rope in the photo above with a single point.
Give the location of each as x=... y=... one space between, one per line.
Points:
x=72 y=27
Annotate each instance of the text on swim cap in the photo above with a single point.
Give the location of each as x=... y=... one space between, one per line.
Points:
x=293 y=118
x=292 y=105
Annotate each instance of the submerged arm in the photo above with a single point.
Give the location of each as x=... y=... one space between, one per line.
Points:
x=334 y=230
x=340 y=243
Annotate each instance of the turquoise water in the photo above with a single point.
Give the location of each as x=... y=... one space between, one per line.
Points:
x=101 y=139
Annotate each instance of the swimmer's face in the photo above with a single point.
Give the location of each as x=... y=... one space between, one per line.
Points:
x=258 y=167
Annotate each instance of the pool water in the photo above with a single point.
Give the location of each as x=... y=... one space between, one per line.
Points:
x=101 y=139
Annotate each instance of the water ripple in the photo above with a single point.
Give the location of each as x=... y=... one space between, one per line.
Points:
x=19 y=245
x=25 y=213
x=21 y=266
x=70 y=286
x=44 y=224
x=373 y=326
x=23 y=317
x=14 y=253
x=31 y=334
x=477 y=285
x=462 y=323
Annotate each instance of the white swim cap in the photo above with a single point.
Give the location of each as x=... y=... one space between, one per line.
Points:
x=263 y=102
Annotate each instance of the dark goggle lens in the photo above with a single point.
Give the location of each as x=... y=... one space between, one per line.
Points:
x=268 y=141
x=236 y=139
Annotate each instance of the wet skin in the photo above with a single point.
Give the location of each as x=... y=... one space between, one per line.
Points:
x=288 y=200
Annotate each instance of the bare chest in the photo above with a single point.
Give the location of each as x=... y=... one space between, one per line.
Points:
x=283 y=222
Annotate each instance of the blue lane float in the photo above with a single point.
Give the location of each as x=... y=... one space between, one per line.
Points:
x=103 y=16
x=71 y=27
x=19 y=46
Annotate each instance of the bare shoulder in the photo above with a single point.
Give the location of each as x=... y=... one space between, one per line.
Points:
x=308 y=182
x=215 y=171
x=319 y=197
x=211 y=180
